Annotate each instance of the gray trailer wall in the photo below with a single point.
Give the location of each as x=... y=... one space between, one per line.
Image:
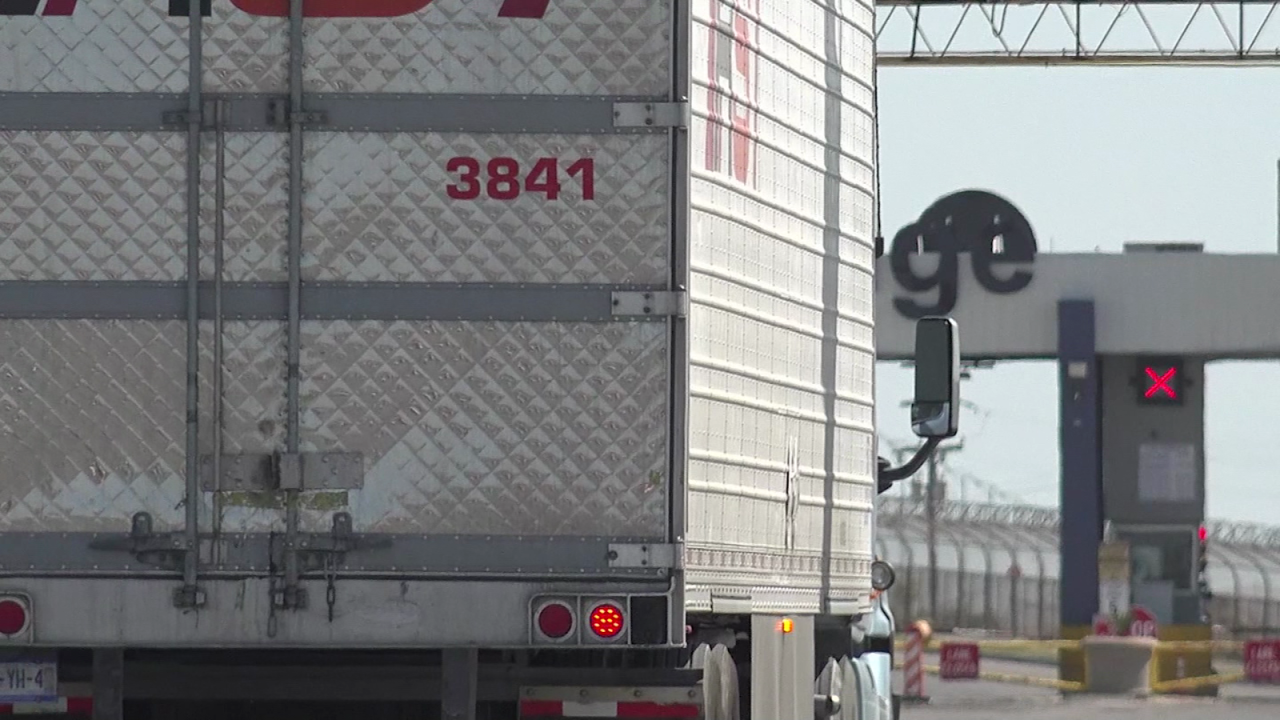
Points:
x=782 y=408
x=467 y=376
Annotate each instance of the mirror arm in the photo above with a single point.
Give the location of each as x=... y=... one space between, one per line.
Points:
x=887 y=475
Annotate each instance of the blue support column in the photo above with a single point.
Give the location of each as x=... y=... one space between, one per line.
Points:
x=1079 y=383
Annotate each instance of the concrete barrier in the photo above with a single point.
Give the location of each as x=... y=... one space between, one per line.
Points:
x=1118 y=665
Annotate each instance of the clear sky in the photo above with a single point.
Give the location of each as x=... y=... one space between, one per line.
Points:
x=1094 y=157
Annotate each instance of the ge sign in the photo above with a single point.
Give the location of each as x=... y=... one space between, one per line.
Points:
x=986 y=227
x=1160 y=381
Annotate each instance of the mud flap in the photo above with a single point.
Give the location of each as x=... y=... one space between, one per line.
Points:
x=719 y=682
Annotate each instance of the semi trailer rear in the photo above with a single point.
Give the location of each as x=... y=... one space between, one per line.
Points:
x=441 y=358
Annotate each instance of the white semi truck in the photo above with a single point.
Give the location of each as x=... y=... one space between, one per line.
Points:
x=442 y=359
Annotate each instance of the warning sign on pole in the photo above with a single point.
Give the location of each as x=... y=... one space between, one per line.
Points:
x=958 y=661
x=1262 y=661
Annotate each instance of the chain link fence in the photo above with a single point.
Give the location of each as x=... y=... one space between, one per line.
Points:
x=998 y=568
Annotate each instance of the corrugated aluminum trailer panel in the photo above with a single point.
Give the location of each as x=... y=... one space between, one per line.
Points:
x=576 y=47
x=781 y=417
x=437 y=340
x=508 y=365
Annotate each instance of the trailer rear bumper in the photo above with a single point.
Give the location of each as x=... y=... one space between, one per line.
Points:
x=366 y=613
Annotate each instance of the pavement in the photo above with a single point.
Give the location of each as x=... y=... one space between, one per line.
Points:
x=1091 y=708
x=982 y=699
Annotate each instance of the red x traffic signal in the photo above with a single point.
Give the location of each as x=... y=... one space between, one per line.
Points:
x=1160 y=381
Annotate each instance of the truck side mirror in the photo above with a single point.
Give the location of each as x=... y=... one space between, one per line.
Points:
x=935 y=412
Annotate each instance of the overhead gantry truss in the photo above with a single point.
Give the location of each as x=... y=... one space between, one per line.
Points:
x=946 y=32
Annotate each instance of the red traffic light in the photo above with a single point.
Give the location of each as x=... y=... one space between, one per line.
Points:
x=1160 y=381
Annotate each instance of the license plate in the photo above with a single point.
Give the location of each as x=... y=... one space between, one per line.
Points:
x=32 y=681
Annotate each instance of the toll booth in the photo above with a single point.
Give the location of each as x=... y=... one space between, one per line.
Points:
x=1131 y=333
x=1153 y=489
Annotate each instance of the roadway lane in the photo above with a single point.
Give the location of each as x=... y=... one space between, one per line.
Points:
x=1097 y=708
x=977 y=699
x=983 y=694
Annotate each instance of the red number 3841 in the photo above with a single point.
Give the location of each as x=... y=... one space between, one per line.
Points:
x=502 y=178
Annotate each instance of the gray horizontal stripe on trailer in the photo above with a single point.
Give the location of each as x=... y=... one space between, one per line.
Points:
x=335 y=112
x=451 y=556
x=39 y=300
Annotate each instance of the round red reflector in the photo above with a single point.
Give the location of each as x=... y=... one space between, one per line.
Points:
x=555 y=620
x=606 y=620
x=13 y=617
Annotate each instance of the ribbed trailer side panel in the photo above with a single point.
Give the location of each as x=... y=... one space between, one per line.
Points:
x=782 y=461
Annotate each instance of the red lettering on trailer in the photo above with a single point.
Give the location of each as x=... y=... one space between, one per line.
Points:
x=732 y=71
x=333 y=8
x=534 y=9
x=67 y=8
x=379 y=8
x=29 y=8
x=524 y=8
x=59 y=7
x=502 y=178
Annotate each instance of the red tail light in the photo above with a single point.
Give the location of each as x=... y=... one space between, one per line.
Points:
x=555 y=620
x=14 y=616
x=606 y=620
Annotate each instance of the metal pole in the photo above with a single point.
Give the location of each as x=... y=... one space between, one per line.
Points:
x=931 y=510
x=292 y=571
x=190 y=593
x=219 y=264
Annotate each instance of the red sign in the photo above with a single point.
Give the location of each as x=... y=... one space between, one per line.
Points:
x=1262 y=661
x=1103 y=626
x=959 y=661
x=1143 y=623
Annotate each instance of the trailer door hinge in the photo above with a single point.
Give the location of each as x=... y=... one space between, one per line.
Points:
x=652 y=303
x=182 y=118
x=318 y=551
x=651 y=114
x=646 y=555
x=280 y=115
